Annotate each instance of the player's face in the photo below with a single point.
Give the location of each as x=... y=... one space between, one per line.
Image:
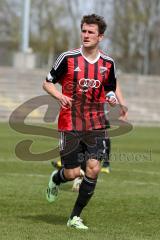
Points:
x=90 y=35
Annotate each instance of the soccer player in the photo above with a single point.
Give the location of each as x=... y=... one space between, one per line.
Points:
x=106 y=164
x=87 y=76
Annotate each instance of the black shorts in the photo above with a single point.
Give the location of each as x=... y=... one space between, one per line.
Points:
x=77 y=147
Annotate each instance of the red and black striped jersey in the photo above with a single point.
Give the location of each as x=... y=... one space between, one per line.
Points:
x=85 y=82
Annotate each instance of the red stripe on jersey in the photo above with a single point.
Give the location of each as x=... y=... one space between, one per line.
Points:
x=65 y=116
x=74 y=73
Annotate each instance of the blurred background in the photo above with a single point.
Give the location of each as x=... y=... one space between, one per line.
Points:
x=34 y=32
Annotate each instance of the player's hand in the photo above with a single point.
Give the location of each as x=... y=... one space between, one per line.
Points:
x=65 y=102
x=123 y=113
x=111 y=98
x=112 y=101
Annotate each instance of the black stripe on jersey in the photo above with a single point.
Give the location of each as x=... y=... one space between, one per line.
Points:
x=100 y=91
x=84 y=96
x=75 y=77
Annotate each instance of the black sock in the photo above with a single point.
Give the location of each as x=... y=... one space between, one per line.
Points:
x=59 y=177
x=85 y=193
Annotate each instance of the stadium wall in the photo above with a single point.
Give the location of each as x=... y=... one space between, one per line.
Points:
x=141 y=93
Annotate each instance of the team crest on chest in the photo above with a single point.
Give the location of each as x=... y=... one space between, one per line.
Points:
x=103 y=70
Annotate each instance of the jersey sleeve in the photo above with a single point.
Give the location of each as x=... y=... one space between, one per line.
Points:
x=58 y=69
x=111 y=82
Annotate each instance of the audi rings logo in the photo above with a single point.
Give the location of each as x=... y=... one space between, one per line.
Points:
x=86 y=83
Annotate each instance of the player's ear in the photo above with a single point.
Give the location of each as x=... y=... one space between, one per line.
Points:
x=101 y=36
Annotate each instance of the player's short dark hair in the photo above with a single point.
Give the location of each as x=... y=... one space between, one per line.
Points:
x=95 y=19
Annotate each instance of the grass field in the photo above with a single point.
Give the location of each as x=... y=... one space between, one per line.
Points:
x=126 y=205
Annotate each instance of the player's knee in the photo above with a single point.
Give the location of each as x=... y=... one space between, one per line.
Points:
x=96 y=170
x=72 y=174
x=93 y=170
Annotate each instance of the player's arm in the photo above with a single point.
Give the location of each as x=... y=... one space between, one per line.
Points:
x=51 y=89
x=54 y=76
x=122 y=102
x=110 y=87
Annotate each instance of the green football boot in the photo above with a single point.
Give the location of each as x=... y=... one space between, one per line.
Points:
x=77 y=223
x=52 y=190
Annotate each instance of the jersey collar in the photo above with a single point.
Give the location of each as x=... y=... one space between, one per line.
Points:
x=91 y=62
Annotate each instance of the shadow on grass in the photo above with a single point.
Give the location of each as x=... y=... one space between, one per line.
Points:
x=67 y=187
x=51 y=219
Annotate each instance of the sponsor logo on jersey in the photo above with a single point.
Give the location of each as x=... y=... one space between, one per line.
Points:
x=86 y=83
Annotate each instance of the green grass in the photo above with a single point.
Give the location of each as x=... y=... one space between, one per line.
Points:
x=125 y=205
